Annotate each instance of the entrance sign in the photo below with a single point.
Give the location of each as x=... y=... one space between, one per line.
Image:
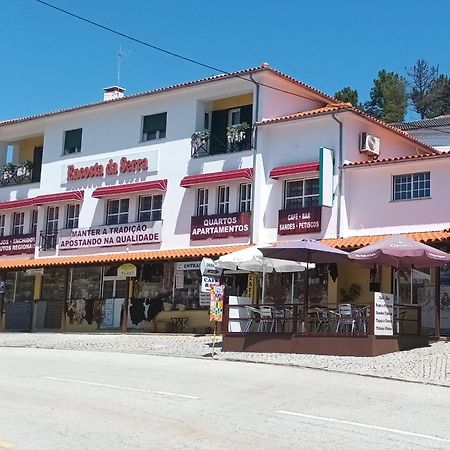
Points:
x=383 y=314
x=188 y=265
x=111 y=235
x=298 y=221
x=127 y=271
x=208 y=267
x=17 y=244
x=220 y=226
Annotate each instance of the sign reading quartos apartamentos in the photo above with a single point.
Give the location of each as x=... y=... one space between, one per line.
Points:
x=17 y=245
x=111 y=235
x=220 y=226
x=299 y=221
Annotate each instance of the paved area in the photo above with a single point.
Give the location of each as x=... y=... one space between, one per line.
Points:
x=65 y=399
x=426 y=365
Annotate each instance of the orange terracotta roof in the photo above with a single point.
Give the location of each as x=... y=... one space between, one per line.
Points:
x=396 y=160
x=354 y=242
x=112 y=258
x=343 y=107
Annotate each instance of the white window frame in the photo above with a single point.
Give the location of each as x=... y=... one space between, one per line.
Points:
x=154 y=213
x=245 y=197
x=230 y=116
x=303 y=197
x=223 y=200
x=159 y=134
x=2 y=224
x=119 y=214
x=34 y=221
x=18 y=223
x=52 y=220
x=423 y=186
x=202 y=202
x=72 y=215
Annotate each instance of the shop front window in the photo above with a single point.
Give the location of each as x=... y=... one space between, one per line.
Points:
x=54 y=284
x=19 y=287
x=85 y=283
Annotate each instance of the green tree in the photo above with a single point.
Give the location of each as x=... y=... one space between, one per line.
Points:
x=347 y=94
x=388 y=99
x=440 y=92
x=422 y=80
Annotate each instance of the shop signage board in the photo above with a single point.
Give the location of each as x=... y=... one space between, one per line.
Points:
x=111 y=235
x=204 y=298
x=17 y=244
x=207 y=282
x=299 y=221
x=127 y=271
x=188 y=265
x=326 y=177
x=208 y=267
x=383 y=314
x=220 y=226
x=139 y=163
x=216 y=302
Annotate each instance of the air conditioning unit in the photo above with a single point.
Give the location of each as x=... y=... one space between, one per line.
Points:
x=369 y=144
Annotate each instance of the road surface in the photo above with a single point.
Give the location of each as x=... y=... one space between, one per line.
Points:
x=55 y=399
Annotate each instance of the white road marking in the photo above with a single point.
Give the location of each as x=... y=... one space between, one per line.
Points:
x=364 y=425
x=126 y=388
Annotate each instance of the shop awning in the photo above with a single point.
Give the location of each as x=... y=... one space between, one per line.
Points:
x=117 y=258
x=122 y=189
x=14 y=204
x=217 y=177
x=59 y=197
x=294 y=169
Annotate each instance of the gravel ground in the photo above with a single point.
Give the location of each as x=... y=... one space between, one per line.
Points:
x=425 y=365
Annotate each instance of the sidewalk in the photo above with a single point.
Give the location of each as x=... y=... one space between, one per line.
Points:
x=425 y=365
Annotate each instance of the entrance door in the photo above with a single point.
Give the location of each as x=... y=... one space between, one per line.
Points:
x=37 y=165
x=114 y=292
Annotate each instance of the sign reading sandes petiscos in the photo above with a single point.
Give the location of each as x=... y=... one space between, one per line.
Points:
x=220 y=226
x=17 y=245
x=111 y=235
x=298 y=221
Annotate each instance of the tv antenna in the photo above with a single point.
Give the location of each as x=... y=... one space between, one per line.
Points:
x=121 y=54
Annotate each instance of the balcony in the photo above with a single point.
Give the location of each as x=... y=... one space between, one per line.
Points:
x=205 y=143
x=11 y=174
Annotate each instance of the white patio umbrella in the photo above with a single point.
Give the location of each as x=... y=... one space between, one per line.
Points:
x=252 y=259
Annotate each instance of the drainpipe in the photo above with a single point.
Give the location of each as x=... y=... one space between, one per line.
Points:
x=339 y=193
x=254 y=146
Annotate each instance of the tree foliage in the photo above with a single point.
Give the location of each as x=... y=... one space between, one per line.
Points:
x=347 y=95
x=388 y=98
x=440 y=92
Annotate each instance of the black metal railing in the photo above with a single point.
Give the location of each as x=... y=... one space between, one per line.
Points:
x=18 y=174
x=48 y=240
x=217 y=144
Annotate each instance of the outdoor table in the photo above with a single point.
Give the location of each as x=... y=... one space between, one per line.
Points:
x=180 y=323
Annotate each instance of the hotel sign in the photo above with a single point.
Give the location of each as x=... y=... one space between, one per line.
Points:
x=17 y=244
x=220 y=226
x=299 y=221
x=111 y=235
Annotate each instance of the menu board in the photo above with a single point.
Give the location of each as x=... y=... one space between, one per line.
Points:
x=383 y=314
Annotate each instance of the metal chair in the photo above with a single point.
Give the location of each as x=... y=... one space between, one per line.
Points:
x=253 y=313
x=266 y=319
x=346 y=318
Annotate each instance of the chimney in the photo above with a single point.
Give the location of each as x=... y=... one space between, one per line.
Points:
x=112 y=93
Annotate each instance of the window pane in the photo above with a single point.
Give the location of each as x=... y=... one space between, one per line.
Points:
x=72 y=141
x=124 y=203
x=294 y=188
x=113 y=206
x=154 y=126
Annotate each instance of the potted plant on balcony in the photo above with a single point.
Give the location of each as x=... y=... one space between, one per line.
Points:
x=24 y=169
x=8 y=171
x=236 y=133
x=200 y=138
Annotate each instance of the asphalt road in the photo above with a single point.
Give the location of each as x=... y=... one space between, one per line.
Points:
x=52 y=399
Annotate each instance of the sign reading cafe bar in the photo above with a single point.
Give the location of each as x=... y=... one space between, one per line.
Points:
x=298 y=221
x=111 y=235
x=220 y=226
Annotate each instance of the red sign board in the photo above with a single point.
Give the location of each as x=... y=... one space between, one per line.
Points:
x=17 y=245
x=220 y=226
x=299 y=221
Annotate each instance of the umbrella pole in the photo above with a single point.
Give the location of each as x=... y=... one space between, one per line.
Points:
x=292 y=287
x=305 y=306
x=263 y=290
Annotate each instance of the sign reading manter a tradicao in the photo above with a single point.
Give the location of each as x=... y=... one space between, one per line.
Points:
x=111 y=235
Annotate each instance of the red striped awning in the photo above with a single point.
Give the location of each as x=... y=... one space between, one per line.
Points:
x=59 y=197
x=217 y=177
x=14 y=204
x=122 y=189
x=294 y=169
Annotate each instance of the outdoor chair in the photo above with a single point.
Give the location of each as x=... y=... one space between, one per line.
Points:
x=278 y=318
x=320 y=320
x=253 y=314
x=346 y=319
x=266 y=322
x=362 y=316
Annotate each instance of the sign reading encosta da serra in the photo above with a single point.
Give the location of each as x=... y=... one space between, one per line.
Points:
x=111 y=235
x=298 y=221
x=114 y=166
x=16 y=245
x=220 y=226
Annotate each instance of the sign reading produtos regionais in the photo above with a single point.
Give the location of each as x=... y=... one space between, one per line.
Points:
x=111 y=235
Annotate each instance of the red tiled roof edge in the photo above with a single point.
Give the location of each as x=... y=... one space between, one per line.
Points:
x=396 y=160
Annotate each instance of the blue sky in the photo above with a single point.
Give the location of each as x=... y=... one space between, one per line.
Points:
x=52 y=61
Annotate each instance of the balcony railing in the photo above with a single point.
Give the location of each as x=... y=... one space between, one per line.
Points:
x=216 y=144
x=18 y=174
x=48 y=240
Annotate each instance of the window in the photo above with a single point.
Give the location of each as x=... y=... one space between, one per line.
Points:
x=150 y=208
x=72 y=141
x=34 y=221
x=73 y=212
x=223 y=200
x=2 y=225
x=51 y=228
x=301 y=193
x=245 y=197
x=412 y=185
x=202 y=202
x=18 y=221
x=117 y=211
x=154 y=127
x=234 y=116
